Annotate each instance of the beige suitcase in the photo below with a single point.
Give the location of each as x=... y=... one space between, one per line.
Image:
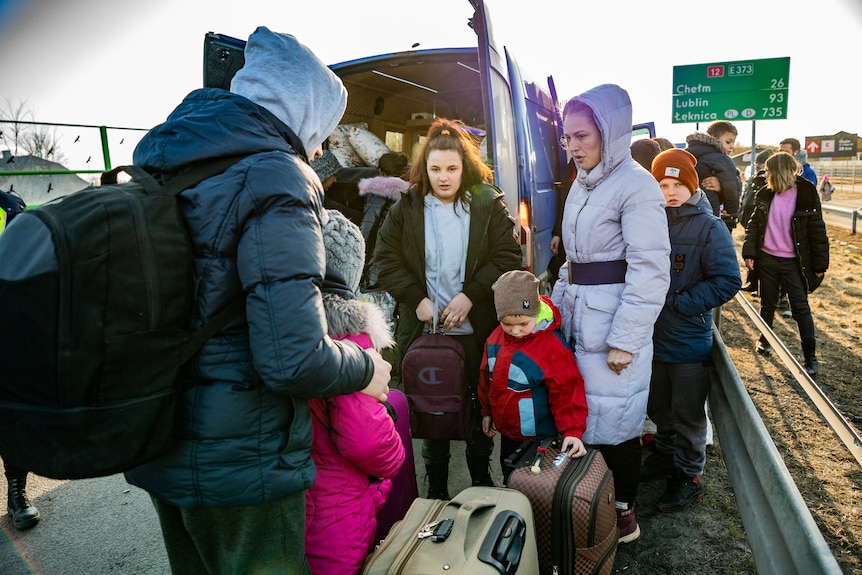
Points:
x=491 y=533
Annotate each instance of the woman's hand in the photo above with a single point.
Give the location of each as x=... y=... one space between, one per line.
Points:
x=425 y=311
x=456 y=312
x=555 y=244
x=618 y=360
x=749 y=263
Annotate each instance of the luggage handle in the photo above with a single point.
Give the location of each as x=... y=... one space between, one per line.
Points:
x=504 y=542
x=525 y=455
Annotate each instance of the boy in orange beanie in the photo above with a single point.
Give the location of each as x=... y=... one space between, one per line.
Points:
x=704 y=274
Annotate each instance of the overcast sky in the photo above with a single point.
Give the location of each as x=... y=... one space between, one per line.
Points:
x=128 y=63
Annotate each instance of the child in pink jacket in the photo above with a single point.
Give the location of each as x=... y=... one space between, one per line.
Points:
x=356 y=448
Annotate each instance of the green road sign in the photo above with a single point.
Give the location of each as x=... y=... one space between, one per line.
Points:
x=740 y=90
x=754 y=105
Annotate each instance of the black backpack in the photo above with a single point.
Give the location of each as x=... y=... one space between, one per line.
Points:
x=97 y=294
x=11 y=205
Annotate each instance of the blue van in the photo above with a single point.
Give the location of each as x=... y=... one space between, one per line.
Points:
x=398 y=95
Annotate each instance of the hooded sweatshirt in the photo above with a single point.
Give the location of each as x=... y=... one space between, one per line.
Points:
x=279 y=74
x=243 y=426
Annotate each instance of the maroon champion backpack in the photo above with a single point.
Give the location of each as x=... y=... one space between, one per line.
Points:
x=433 y=373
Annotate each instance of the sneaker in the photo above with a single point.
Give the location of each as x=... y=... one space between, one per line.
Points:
x=680 y=491
x=749 y=287
x=628 y=525
x=657 y=466
x=787 y=313
x=763 y=348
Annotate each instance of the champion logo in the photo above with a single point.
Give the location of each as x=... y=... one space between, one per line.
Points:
x=428 y=375
x=672 y=172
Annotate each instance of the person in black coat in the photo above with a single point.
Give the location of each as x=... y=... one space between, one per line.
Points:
x=24 y=514
x=786 y=242
x=557 y=248
x=746 y=206
x=440 y=249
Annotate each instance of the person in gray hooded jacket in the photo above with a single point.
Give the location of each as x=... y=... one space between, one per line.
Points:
x=613 y=285
x=230 y=492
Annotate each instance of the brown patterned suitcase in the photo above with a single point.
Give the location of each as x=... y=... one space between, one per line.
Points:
x=573 y=509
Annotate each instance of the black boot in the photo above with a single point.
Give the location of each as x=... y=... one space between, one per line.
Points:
x=480 y=471
x=809 y=351
x=24 y=514
x=438 y=481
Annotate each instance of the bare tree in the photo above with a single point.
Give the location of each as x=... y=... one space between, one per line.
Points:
x=22 y=135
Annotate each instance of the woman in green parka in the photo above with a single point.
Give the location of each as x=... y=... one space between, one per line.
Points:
x=439 y=250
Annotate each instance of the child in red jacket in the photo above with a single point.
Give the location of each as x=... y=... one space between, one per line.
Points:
x=529 y=383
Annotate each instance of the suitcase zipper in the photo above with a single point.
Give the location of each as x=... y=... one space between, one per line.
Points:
x=562 y=556
x=398 y=564
x=594 y=508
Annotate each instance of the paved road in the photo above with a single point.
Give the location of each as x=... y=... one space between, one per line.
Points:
x=107 y=527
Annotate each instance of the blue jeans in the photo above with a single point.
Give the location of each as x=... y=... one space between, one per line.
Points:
x=776 y=273
x=677 y=392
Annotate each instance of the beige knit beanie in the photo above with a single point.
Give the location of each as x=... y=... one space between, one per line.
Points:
x=516 y=293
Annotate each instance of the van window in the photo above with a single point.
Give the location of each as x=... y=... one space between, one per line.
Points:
x=504 y=140
x=394 y=141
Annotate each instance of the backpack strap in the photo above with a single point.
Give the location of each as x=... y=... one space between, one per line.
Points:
x=200 y=171
x=211 y=327
x=138 y=174
x=188 y=177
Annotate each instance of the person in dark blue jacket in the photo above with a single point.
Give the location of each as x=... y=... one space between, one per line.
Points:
x=794 y=148
x=230 y=493
x=719 y=179
x=704 y=274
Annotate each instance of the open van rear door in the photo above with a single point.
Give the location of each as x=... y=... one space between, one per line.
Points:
x=499 y=115
x=524 y=132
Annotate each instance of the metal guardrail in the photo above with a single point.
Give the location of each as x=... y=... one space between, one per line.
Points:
x=842 y=428
x=854 y=214
x=783 y=536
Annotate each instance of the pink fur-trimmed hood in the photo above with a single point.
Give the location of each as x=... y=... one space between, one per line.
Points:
x=389 y=187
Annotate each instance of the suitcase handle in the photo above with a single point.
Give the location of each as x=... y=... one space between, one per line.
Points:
x=504 y=542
